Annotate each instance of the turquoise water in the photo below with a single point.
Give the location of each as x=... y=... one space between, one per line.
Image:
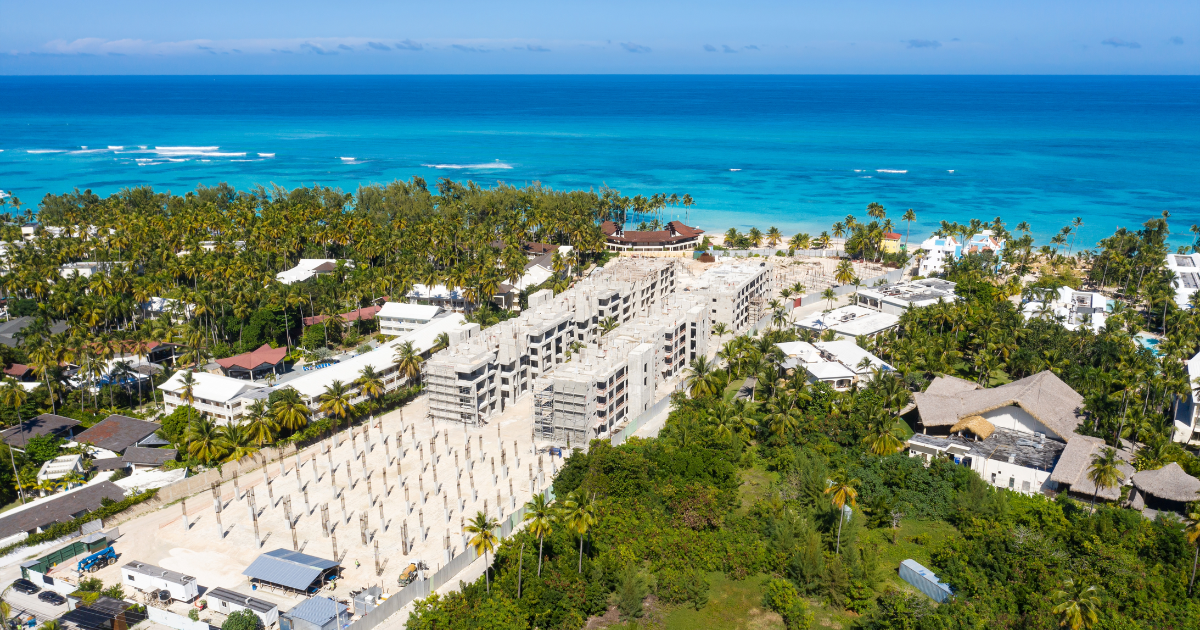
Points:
x=795 y=152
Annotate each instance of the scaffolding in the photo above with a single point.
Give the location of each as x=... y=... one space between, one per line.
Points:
x=543 y=408
x=446 y=400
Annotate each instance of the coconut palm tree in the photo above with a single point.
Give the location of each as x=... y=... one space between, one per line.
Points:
x=700 y=378
x=369 y=383
x=259 y=424
x=205 y=440
x=408 y=361
x=720 y=329
x=608 y=324
x=540 y=516
x=483 y=540
x=829 y=296
x=289 y=411
x=881 y=439
x=335 y=402
x=909 y=217
x=578 y=514
x=187 y=392
x=1104 y=471
x=1192 y=533
x=13 y=395
x=238 y=442
x=1077 y=605
x=774 y=236
x=842 y=493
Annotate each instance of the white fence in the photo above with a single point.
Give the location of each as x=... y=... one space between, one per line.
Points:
x=637 y=423
x=171 y=620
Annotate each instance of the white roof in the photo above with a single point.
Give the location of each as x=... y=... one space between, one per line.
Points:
x=304 y=270
x=534 y=276
x=59 y=467
x=829 y=370
x=404 y=310
x=850 y=320
x=849 y=354
x=436 y=291
x=801 y=350
x=312 y=384
x=214 y=387
x=161 y=304
x=1187 y=273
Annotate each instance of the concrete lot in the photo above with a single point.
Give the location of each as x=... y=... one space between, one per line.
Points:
x=431 y=482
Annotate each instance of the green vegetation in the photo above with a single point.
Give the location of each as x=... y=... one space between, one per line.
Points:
x=734 y=507
x=242 y=620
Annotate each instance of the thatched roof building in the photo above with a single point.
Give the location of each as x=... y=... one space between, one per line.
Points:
x=1076 y=460
x=1044 y=396
x=1168 y=483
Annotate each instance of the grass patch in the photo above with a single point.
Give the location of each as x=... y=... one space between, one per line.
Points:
x=732 y=605
x=732 y=388
x=756 y=482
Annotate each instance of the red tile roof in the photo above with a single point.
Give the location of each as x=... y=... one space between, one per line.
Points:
x=18 y=370
x=892 y=236
x=675 y=232
x=364 y=313
x=250 y=360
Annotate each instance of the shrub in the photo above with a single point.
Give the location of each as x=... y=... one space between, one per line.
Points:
x=115 y=591
x=781 y=596
x=242 y=620
x=194 y=614
x=91 y=585
x=632 y=588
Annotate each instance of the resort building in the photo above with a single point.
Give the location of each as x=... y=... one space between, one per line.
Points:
x=938 y=250
x=591 y=395
x=1073 y=309
x=898 y=297
x=1012 y=435
x=441 y=296
x=675 y=238
x=1186 y=268
x=365 y=313
x=397 y=318
x=157 y=307
x=60 y=467
x=1168 y=489
x=255 y=364
x=737 y=292
x=18 y=436
x=851 y=321
x=839 y=364
x=308 y=268
x=223 y=399
x=1187 y=413
x=117 y=433
x=985 y=241
x=1073 y=463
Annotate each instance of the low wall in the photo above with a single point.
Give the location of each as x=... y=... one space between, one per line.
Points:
x=171 y=620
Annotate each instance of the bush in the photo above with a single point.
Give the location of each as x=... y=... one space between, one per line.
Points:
x=175 y=424
x=781 y=596
x=194 y=614
x=632 y=588
x=242 y=620
x=91 y=585
x=42 y=448
x=115 y=591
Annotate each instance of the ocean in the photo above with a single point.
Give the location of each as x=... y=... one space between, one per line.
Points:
x=795 y=152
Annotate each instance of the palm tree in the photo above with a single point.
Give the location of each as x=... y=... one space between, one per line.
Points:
x=1077 y=605
x=608 y=324
x=14 y=396
x=441 y=342
x=289 y=411
x=540 y=516
x=408 y=361
x=774 y=236
x=909 y=216
x=369 y=383
x=844 y=272
x=205 y=441
x=188 y=392
x=720 y=329
x=1104 y=472
x=578 y=514
x=1192 y=533
x=843 y=493
x=829 y=296
x=259 y=425
x=700 y=378
x=335 y=402
x=237 y=441
x=483 y=541
x=882 y=438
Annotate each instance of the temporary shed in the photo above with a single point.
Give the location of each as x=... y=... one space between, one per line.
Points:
x=290 y=570
x=228 y=601
x=925 y=581
x=316 y=613
x=148 y=578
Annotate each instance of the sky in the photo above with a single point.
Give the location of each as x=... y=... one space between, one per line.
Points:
x=600 y=36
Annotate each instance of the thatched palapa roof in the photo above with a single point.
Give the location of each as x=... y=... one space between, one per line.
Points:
x=1043 y=395
x=975 y=424
x=1075 y=461
x=1168 y=482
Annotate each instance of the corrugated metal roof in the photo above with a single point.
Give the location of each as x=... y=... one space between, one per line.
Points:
x=288 y=568
x=317 y=610
x=241 y=599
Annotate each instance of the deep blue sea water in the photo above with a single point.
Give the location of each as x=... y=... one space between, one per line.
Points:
x=798 y=152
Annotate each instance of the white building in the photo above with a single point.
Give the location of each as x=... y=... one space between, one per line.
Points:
x=852 y=321
x=1012 y=435
x=1187 y=276
x=1073 y=309
x=220 y=398
x=840 y=364
x=939 y=250
x=148 y=578
x=308 y=268
x=397 y=318
x=451 y=299
x=1187 y=414
x=60 y=467
x=898 y=297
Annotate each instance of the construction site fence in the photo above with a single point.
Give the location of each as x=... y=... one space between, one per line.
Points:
x=424 y=588
x=624 y=434
x=775 y=251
